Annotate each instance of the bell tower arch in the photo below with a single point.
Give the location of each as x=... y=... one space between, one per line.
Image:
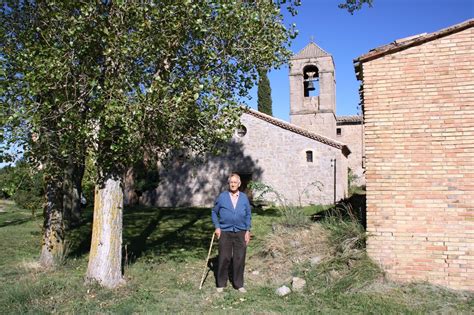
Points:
x=313 y=91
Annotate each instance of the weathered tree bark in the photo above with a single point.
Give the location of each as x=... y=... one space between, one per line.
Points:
x=72 y=194
x=105 y=258
x=52 y=247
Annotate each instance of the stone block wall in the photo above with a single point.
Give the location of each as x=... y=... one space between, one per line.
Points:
x=352 y=136
x=269 y=154
x=281 y=154
x=323 y=124
x=419 y=143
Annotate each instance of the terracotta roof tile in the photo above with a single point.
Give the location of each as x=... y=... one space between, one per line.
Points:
x=407 y=42
x=298 y=130
x=352 y=118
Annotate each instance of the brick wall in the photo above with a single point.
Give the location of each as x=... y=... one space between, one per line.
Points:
x=419 y=143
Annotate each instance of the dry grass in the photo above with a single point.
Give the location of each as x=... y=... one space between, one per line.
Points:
x=30 y=266
x=285 y=248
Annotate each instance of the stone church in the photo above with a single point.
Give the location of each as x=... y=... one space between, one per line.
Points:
x=307 y=160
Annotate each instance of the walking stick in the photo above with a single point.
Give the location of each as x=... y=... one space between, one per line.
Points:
x=207 y=260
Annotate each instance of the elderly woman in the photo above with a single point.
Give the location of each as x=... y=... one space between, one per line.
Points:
x=232 y=216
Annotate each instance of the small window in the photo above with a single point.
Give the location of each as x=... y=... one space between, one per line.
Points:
x=309 y=156
x=338 y=131
x=241 y=131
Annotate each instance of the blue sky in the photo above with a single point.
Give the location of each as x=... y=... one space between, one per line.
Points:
x=347 y=37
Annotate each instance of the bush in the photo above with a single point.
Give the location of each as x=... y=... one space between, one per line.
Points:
x=9 y=181
x=24 y=185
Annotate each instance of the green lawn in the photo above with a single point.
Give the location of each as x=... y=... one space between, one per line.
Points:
x=165 y=251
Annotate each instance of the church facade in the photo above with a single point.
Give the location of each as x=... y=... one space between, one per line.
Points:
x=306 y=160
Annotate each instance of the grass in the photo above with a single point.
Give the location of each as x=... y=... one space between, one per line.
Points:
x=165 y=250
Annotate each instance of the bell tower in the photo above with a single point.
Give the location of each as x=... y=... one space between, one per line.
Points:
x=313 y=91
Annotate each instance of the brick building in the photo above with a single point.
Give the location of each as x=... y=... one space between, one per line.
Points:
x=418 y=107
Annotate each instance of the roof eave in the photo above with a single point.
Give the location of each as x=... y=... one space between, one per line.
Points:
x=417 y=40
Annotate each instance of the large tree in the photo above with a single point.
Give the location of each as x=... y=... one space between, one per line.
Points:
x=122 y=80
x=45 y=90
x=126 y=79
x=182 y=88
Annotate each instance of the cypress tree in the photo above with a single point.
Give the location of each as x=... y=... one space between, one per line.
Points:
x=264 y=93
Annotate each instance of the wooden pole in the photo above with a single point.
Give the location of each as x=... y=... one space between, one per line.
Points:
x=207 y=259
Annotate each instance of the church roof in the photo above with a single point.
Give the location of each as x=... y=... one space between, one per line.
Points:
x=349 y=119
x=298 y=130
x=310 y=51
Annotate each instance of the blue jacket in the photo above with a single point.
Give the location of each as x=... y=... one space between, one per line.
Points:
x=225 y=217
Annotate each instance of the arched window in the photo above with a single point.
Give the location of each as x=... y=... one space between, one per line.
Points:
x=241 y=131
x=311 y=81
x=309 y=156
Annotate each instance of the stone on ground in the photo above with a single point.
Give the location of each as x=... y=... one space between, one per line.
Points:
x=298 y=284
x=283 y=290
x=315 y=260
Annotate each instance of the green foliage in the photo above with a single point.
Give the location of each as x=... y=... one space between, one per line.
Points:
x=9 y=181
x=264 y=93
x=23 y=184
x=354 y=5
x=99 y=75
x=145 y=176
x=88 y=180
x=351 y=184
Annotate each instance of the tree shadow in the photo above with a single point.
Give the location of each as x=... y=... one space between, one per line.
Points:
x=79 y=236
x=16 y=222
x=166 y=231
x=159 y=231
x=185 y=182
x=266 y=212
x=164 y=225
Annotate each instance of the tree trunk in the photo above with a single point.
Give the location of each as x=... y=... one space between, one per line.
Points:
x=52 y=250
x=72 y=194
x=105 y=258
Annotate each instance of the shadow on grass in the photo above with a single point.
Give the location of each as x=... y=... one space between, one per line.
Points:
x=355 y=206
x=6 y=223
x=266 y=212
x=166 y=233
x=15 y=222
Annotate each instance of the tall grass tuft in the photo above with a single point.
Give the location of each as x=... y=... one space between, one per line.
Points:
x=290 y=215
x=349 y=267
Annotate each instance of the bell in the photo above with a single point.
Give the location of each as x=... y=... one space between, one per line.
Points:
x=310 y=86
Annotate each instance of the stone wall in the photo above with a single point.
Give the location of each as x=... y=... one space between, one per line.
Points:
x=281 y=154
x=352 y=136
x=270 y=154
x=419 y=142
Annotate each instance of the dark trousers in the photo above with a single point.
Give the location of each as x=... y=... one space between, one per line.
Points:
x=232 y=247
